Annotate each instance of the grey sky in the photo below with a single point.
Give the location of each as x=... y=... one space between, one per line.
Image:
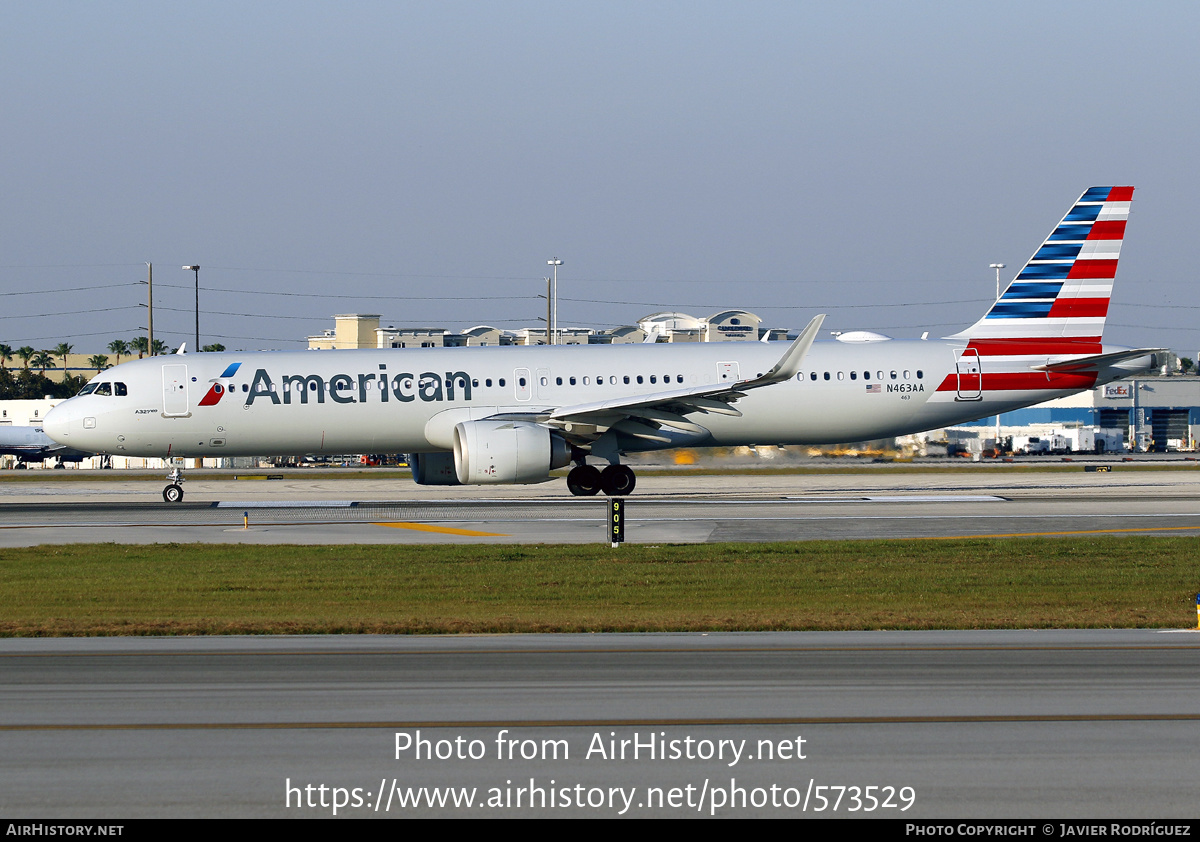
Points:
x=424 y=160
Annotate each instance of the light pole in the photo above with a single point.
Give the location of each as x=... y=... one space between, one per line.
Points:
x=552 y=303
x=997 y=267
x=150 y=305
x=196 y=269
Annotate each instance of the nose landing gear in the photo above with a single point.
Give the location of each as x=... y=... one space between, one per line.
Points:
x=173 y=493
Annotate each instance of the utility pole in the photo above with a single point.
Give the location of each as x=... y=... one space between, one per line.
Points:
x=196 y=269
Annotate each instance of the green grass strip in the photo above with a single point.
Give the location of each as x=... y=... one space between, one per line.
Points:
x=110 y=589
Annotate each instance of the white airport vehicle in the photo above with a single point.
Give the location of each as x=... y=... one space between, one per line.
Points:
x=514 y=414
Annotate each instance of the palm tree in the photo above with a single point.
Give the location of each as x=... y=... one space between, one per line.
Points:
x=26 y=354
x=42 y=360
x=6 y=353
x=98 y=362
x=140 y=344
x=62 y=350
x=160 y=347
x=119 y=347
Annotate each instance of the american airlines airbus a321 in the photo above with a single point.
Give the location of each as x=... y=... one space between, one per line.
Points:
x=514 y=414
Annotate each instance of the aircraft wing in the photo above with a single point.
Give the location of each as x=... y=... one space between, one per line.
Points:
x=588 y=421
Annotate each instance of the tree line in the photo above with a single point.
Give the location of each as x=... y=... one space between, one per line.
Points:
x=31 y=382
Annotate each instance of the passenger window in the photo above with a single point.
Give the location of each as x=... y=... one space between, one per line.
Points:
x=813 y=376
x=522 y=381
x=572 y=381
x=488 y=382
x=920 y=374
x=678 y=378
x=612 y=380
x=626 y=378
x=501 y=381
x=545 y=381
x=586 y=381
x=907 y=374
x=854 y=375
x=841 y=375
x=653 y=378
x=893 y=375
x=827 y=375
x=558 y=381
x=639 y=379
x=866 y=375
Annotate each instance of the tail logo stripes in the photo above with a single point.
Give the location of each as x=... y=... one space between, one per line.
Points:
x=1056 y=306
x=1064 y=289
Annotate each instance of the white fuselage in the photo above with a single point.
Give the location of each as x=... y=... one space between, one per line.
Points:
x=396 y=401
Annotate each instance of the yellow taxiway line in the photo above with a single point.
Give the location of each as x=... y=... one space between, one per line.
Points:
x=444 y=530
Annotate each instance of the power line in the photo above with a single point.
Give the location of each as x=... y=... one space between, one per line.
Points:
x=70 y=313
x=69 y=289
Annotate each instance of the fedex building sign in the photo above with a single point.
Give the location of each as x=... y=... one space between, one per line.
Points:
x=1116 y=391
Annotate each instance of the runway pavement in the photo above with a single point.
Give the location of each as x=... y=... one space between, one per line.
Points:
x=1033 y=725
x=1084 y=724
x=309 y=509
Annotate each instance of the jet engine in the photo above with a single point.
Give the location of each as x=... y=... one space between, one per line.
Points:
x=487 y=452
x=433 y=468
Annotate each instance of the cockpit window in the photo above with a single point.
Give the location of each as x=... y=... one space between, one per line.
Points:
x=120 y=389
x=88 y=389
x=104 y=389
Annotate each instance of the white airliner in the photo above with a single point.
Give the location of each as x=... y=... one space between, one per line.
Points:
x=514 y=414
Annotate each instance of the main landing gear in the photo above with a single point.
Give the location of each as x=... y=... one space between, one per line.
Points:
x=173 y=493
x=587 y=480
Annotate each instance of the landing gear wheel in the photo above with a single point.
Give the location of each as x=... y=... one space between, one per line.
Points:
x=617 y=480
x=584 y=481
x=173 y=494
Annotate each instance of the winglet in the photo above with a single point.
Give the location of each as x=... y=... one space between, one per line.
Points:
x=790 y=362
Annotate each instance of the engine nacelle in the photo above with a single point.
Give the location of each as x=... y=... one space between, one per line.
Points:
x=433 y=468
x=487 y=452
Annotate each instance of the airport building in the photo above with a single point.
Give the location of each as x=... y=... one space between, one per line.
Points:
x=1153 y=413
x=363 y=330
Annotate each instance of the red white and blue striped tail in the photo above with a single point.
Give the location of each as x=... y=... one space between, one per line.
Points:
x=1058 y=303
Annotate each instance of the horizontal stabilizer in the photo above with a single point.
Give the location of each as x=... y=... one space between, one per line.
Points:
x=1099 y=361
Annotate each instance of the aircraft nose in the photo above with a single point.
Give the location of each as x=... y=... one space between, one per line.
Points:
x=57 y=423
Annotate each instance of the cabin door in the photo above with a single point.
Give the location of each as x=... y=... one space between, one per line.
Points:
x=175 y=395
x=970 y=375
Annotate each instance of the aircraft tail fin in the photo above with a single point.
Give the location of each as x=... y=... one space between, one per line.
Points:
x=1060 y=299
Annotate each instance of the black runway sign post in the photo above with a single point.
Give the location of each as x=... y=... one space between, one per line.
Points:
x=616 y=521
